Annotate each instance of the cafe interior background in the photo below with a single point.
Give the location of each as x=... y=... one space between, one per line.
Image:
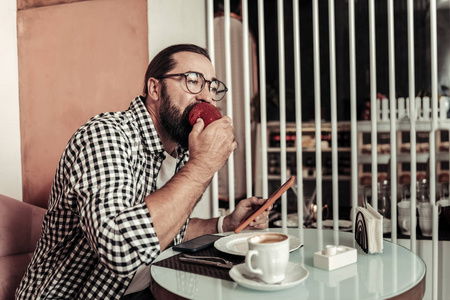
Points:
x=63 y=62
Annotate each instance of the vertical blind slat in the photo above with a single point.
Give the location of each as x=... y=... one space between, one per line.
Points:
x=211 y=49
x=413 y=118
x=354 y=136
x=282 y=96
x=373 y=102
x=333 y=106
x=434 y=110
x=317 y=113
x=231 y=195
x=298 y=112
x=262 y=92
x=392 y=101
x=245 y=54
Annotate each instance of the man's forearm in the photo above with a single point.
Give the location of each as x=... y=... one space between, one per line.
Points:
x=199 y=227
x=171 y=205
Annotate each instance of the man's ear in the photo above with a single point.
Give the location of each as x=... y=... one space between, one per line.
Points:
x=153 y=87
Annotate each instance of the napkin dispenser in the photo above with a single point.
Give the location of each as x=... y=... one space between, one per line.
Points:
x=369 y=229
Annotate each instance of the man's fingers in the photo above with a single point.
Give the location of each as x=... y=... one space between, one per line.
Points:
x=198 y=127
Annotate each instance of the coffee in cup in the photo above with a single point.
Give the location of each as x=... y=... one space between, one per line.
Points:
x=268 y=256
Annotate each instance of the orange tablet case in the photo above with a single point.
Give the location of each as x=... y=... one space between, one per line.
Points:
x=277 y=194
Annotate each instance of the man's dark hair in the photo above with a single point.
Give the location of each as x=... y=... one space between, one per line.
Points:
x=163 y=62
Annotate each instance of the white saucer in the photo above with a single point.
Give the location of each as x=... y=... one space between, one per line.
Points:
x=295 y=274
x=237 y=244
x=291 y=222
x=344 y=225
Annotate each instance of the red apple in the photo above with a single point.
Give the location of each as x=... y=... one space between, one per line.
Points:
x=207 y=112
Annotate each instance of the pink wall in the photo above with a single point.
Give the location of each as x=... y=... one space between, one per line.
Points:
x=76 y=60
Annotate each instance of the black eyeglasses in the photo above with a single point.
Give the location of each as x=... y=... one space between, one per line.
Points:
x=195 y=83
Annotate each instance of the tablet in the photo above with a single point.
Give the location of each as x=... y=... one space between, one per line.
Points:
x=280 y=191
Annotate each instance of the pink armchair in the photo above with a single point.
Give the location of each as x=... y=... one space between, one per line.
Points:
x=20 y=229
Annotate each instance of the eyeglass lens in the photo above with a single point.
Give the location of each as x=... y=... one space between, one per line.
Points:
x=195 y=83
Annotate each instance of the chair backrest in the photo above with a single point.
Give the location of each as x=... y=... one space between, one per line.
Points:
x=20 y=229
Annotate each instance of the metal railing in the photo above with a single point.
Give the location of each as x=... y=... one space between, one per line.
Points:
x=434 y=116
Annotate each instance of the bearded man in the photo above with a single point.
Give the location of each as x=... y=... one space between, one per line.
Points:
x=127 y=183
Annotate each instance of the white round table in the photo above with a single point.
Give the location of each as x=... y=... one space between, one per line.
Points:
x=396 y=273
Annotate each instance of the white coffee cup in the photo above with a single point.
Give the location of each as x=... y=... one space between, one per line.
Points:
x=404 y=223
x=425 y=209
x=444 y=202
x=404 y=208
x=268 y=256
x=426 y=225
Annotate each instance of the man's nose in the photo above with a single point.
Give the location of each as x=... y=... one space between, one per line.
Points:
x=205 y=95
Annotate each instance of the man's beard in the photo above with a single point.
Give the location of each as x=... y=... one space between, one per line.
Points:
x=175 y=122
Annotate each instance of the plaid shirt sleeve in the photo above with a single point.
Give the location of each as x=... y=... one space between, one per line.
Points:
x=98 y=230
x=113 y=217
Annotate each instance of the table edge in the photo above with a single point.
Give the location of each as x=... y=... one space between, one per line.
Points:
x=415 y=292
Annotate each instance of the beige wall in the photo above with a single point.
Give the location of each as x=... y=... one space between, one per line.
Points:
x=76 y=60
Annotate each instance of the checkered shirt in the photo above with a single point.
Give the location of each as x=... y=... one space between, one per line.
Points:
x=98 y=230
